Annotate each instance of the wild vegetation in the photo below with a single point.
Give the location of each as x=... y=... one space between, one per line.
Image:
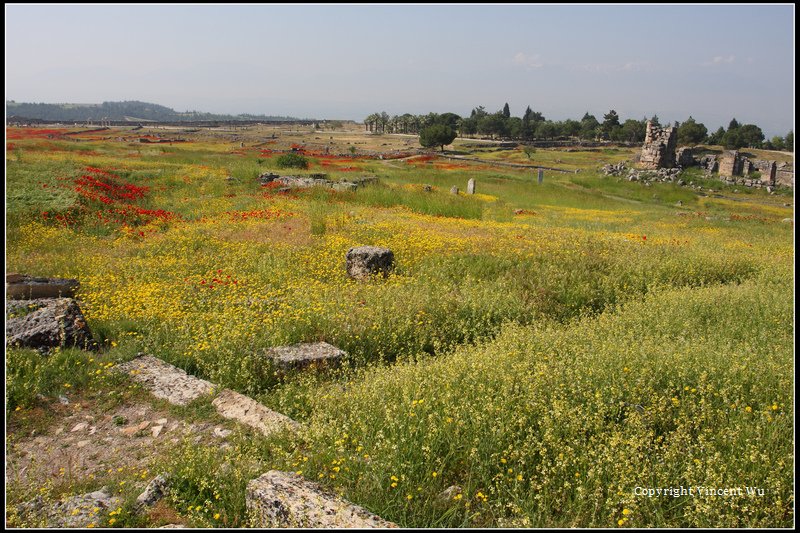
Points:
x=541 y=350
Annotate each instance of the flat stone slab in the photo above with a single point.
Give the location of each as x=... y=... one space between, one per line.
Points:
x=285 y=499
x=297 y=356
x=46 y=323
x=24 y=287
x=249 y=412
x=166 y=381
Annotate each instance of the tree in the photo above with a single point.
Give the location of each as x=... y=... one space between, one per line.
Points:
x=589 y=126
x=529 y=151
x=506 y=111
x=436 y=135
x=751 y=136
x=449 y=119
x=570 y=128
x=493 y=124
x=469 y=126
x=654 y=120
x=788 y=143
x=633 y=130
x=733 y=125
x=610 y=122
x=691 y=132
x=717 y=137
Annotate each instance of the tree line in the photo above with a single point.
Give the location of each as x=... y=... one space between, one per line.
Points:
x=532 y=125
x=119 y=111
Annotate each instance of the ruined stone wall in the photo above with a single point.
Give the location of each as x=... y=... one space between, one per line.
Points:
x=729 y=164
x=659 y=146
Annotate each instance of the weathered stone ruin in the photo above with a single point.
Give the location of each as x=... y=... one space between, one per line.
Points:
x=684 y=157
x=46 y=323
x=659 y=146
x=471 y=186
x=285 y=499
x=768 y=170
x=316 y=180
x=364 y=261
x=730 y=164
x=305 y=355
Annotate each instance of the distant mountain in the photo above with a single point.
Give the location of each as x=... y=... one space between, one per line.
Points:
x=131 y=111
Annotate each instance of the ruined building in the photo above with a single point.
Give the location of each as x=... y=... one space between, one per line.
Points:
x=659 y=147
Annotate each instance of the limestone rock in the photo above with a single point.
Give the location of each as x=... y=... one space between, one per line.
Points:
x=165 y=381
x=249 y=412
x=156 y=489
x=298 y=356
x=46 y=323
x=363 y=261
x=78 y=511
x=283 y=499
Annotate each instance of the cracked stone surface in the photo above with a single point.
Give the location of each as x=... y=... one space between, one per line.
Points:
x=46 y=323
x=364 y=261
x=77 y=511
x=249 y=412
x=285 y=499
x=298 y=356
x=166 y=381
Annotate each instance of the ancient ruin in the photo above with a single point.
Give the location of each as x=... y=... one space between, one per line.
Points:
x=364 y=261
x=659 y=146
x=285 y=499
x=300 y=356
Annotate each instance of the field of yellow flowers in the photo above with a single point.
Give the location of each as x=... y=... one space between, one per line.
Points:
x=548 y=353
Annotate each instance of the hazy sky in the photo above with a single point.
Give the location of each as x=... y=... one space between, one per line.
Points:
x=713 y=62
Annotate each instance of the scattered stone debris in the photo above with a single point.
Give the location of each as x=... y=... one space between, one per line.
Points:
x=364 y=261
x=284 y=499
x=427 y=188
x=454 y=190
x=614 y=170
x=77 y=511
x=249 y=412
x=317 y=180
x=24 y=287
x=301 y=356
x=47 y=323
x=166 y=381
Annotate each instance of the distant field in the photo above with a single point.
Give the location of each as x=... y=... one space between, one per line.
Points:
x=545 y=348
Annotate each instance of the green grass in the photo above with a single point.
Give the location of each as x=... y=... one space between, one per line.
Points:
x=553 y=342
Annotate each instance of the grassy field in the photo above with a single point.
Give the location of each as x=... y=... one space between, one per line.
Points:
x=548 y=349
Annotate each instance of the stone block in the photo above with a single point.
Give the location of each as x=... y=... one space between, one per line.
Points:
x=364 y=261
x=299 y=356
x=283 y=499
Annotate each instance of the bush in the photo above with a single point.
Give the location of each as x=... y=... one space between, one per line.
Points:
x=291 y=161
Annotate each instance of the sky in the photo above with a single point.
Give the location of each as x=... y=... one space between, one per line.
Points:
x=712 y=62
